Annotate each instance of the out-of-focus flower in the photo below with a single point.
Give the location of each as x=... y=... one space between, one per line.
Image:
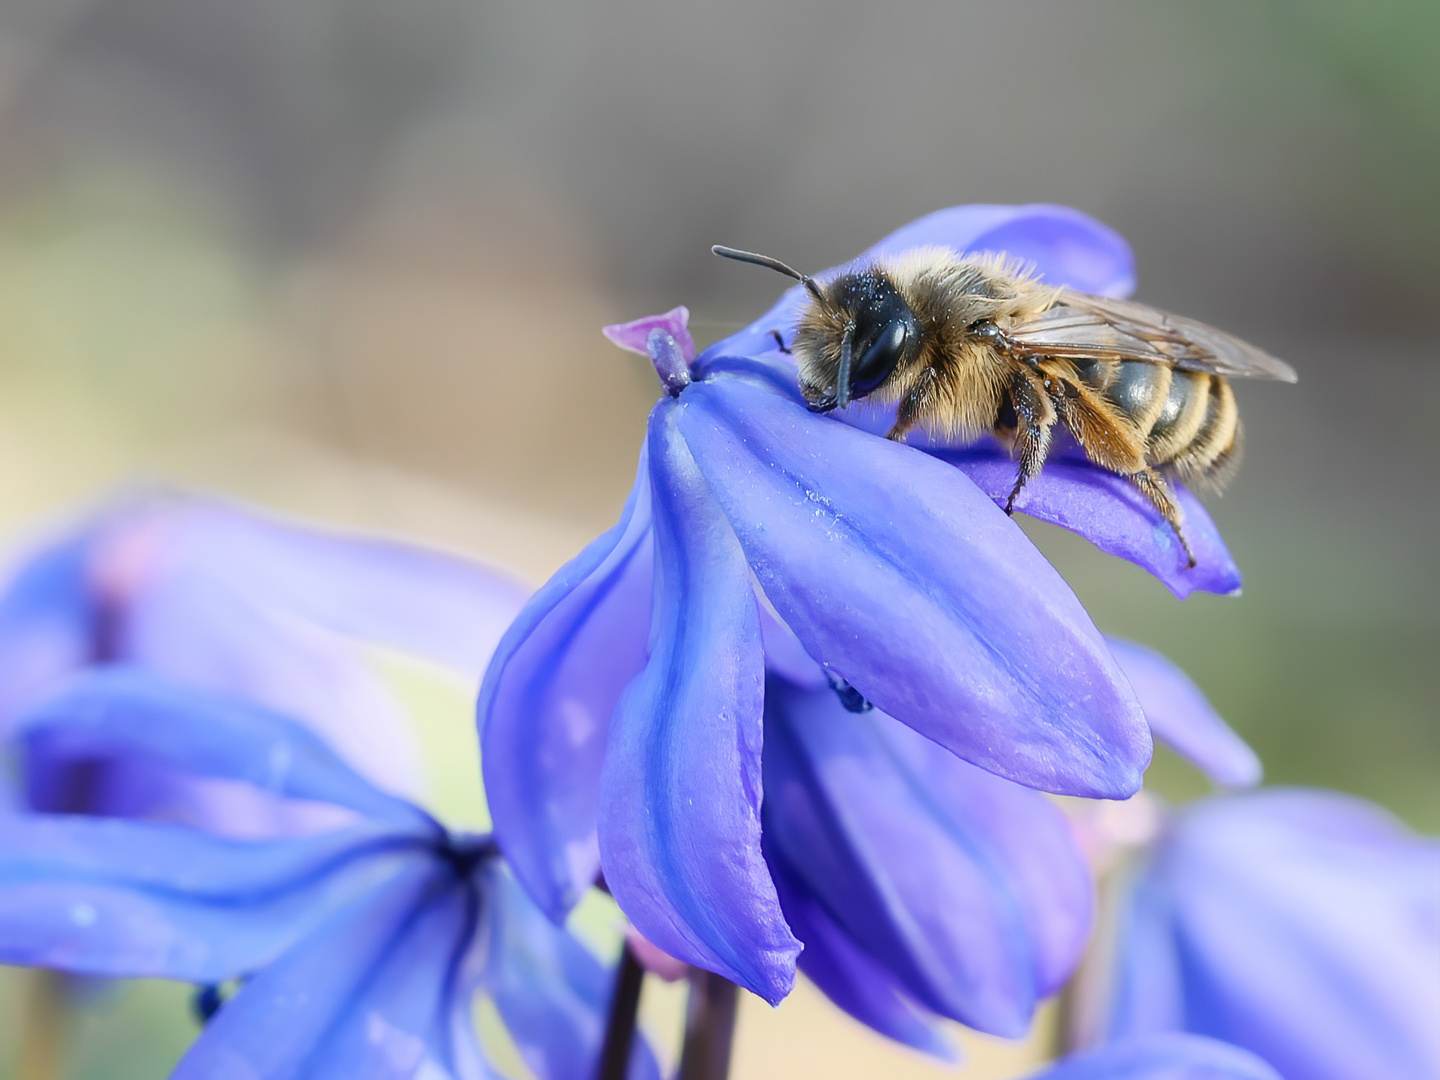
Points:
x=360 y=948
x=209 y=594
x=621 y=715
x=1301 y=925
x=1162 y=1057
x=1181 y=717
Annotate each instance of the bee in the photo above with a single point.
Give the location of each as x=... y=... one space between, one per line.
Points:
x=969 y=345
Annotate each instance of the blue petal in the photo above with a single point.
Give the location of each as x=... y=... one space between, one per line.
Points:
x=1181 y=718
x=551 y=991
x=680 y=793
x=849 y=977
x=372 y=995
x=1305 y=928
x=102 y=896
x=126 y=712
x=1110 y=512
x=966 y=887
x=1066 y=246
x=416 y=600
x=545 y=706
x=902 y=578
x=196 y=630
x=1164 y=1057
x=1028 y=841
x=47 y=620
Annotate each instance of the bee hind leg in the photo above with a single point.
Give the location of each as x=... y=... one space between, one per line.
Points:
x=1034 y=421
x=1154 y=488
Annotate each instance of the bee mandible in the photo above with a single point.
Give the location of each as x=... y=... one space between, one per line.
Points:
x=965 y=345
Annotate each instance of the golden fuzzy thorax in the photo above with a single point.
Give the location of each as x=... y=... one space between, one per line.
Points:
x=947 y=293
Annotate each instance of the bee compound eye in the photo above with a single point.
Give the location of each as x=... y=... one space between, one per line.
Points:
x=880 y=358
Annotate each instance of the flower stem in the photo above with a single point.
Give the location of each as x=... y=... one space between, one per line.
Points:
x=709 y=1027
x=42 y=1038
x=620 y=1027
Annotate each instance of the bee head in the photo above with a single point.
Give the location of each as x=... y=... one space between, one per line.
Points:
x=879 y=332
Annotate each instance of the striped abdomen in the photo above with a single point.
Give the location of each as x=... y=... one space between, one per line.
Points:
x=1187 y=420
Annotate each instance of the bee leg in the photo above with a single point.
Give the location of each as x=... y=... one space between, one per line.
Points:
x=1035 y=419
x=779 y=342
x=912 y=407
x=1154 y=488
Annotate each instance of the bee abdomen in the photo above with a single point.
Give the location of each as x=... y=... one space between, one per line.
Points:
x=1139 y=391
x=1196 y=431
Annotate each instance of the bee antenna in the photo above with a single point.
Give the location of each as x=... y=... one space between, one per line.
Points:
x=770 y=264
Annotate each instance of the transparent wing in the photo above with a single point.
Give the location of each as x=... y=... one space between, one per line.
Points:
x=1080 y=327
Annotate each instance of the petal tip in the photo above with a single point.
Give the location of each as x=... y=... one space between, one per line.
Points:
x=634 y=336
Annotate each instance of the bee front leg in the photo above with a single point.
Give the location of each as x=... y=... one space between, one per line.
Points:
x=1035 y=419
x=913 y=407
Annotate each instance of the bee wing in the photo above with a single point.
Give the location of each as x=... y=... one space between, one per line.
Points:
x=1079 y=327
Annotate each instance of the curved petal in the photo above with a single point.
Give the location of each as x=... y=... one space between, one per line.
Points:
x=902 y=578
x=965 y=886
x=1111 y=513
x=1029 y=842
x=105 y=896
x=1066 y=247
x=128 y=712
x=545 y=705
x=1181 y=718
x=849 y=977
x=1306 y=928
x=420 y=601
x=680 y=792
x=551 y=991
x=1162 y=1057
x=372 y=995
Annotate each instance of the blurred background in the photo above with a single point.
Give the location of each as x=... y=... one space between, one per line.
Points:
x=349 y=259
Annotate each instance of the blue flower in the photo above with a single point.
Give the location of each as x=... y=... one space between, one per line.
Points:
x=621 y=717
x=209 y=594
x=360 y=948
x=1162 y=1057
x=1301 y=925
x=924 y=887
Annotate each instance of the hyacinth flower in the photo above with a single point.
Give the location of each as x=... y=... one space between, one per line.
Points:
x=923 y=887
x=1162 y=1057
x=1301 y=925
x=207 y=593
x=621 y=718
x=359 y=949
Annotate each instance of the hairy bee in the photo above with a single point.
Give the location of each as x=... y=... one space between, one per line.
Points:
x=968 y=345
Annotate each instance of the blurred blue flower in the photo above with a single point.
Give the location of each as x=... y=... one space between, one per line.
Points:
x=621 y=717
x=209 y=594
x=1301 y=925
x=1162 y=1057
x=361 y=948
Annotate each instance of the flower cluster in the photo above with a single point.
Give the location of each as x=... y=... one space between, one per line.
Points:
x=802 y=709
